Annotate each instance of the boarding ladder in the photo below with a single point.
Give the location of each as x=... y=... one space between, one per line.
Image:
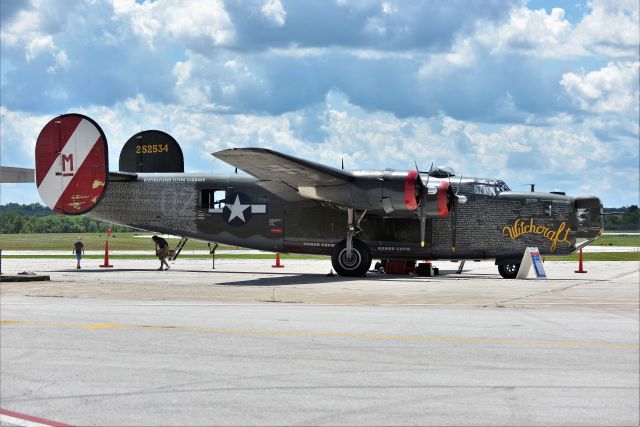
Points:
x=178 y=249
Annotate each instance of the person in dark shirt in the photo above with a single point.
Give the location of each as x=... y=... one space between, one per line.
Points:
x=78 y=249
x=162 y=251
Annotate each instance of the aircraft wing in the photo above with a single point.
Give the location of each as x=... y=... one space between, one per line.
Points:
x=122 y=176
x=283 y=174
x=10 y=174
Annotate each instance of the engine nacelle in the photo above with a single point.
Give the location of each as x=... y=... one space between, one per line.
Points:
x=388 y=190
x=439 y=200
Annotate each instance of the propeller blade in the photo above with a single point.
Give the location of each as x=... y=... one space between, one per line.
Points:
x=460 y=199
x=455 y=228
x=429 y=174
x=454 y=214
x=422 y=211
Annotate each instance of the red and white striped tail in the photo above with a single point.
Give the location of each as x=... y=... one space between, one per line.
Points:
x=71 y=164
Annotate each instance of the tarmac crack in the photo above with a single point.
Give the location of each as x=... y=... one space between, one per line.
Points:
x=499 y=303
x=629 y=273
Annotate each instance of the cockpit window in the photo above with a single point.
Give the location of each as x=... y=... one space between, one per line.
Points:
x=502 y=186
x=485 y=189
x=490 y=188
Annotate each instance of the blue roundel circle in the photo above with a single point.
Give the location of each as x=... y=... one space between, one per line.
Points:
x=237 y=210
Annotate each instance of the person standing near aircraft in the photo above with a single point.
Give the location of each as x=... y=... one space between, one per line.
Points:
x=78 y=250
x=162 y=250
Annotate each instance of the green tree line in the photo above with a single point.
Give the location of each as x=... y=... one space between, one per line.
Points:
x=35 y=218
x=629 y=220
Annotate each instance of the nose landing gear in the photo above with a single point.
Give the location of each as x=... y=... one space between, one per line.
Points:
x=509 y=271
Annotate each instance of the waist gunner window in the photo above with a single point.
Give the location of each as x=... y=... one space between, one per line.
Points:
x=213 y=200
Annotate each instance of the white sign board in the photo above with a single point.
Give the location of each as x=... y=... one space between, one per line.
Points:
x=531 y=258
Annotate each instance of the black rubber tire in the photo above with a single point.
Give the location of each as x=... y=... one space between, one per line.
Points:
x=360 y=264
x=509 y=271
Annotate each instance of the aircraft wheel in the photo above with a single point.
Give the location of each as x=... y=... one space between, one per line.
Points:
x=359 y=263
x=509 y=271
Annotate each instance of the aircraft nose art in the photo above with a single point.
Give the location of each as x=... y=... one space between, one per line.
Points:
x=71 y=164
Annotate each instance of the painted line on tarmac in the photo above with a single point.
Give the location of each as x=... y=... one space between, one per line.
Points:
x=101 y=326
x=17 y=419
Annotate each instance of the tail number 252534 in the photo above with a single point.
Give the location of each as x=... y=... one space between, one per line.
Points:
x=152 y=148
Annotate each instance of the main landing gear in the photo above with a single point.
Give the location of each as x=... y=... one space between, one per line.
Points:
x=351 y=257
x=355 y=265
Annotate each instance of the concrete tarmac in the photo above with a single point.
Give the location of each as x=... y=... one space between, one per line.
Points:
x=249 y=345
x=607 y=284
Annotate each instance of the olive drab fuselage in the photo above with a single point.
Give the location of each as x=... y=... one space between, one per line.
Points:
x=234 y=210
x=291 y=204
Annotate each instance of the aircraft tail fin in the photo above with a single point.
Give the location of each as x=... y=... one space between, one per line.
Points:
x=71 y=164
x=151 y=151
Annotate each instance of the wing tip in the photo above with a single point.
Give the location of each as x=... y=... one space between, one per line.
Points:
x=15 y=175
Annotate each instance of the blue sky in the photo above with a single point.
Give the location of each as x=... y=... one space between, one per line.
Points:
x=541 y=91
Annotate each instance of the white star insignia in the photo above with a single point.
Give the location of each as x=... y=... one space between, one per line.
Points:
x=237 y=210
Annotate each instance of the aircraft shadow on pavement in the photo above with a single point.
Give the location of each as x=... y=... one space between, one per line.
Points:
x=307 y=279
x=283 y=278
x=289 y=280
x=155 y=270
x=276 y=278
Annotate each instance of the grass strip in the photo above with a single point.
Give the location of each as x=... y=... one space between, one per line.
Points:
x=129 y=241
x=92 y=241
x=617 y=240
x=598 y=256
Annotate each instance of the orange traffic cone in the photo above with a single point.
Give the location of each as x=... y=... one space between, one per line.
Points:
x=277 y=264
x=106 y=251
x=580 y=269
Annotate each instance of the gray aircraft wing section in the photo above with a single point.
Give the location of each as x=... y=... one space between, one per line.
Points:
x=282 y=174
x=9 y=174
x=122 y=176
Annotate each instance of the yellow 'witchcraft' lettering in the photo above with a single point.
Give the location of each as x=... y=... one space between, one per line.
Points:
x=520 y=227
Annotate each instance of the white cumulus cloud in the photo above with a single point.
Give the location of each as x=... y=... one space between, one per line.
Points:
x=498 y=88
x=40 y=45
x=613 y=88
x=274 y=12
x=531 y=31
x=611 y=28
x=196 y=24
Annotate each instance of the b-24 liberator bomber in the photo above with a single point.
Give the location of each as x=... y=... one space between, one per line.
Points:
x=292 y=205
